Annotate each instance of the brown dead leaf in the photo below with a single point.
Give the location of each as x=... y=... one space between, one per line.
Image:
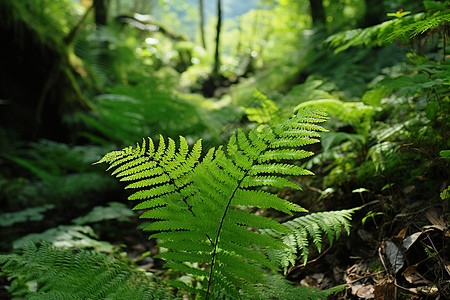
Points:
x=428 y=290
x=318 y=277
x=447 y=267
x=356 y=287
x=384 y=291
x=409 y=240
x=366 y=292
x=401 y=235
x=309 y=282
x=432 y=215
x=408 y=189
x=413 y=276
x=437 y=227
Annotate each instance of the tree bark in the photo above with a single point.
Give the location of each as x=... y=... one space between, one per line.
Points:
x=216 y=66
x=101 y=12
x=202 y=23
x=375 y=14
x=317 y=12
x=118 y=7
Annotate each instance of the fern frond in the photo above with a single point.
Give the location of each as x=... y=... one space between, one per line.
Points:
x=196 y=202
x=428 y=22
x=78 y=274
x=309 y=228
x=381 y=34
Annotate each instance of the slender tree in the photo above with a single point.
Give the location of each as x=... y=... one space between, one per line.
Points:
x=317 y=12
x=216 y=66
x=374 y=14
x=101 y=12
x=202 y=23
x=118 y=7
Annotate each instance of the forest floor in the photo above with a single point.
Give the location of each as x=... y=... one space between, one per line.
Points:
x=400 y=258
x=397 y=248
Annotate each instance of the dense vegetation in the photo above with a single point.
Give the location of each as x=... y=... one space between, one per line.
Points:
x=243 y=86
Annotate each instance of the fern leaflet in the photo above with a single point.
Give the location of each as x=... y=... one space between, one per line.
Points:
x=309 y=227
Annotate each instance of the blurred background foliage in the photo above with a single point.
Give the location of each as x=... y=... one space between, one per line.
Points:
x=79 y=78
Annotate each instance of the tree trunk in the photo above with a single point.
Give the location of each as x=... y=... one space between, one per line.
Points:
x=317 y=12
x=374 y=14
x=202 y=23
x=216 y=66
x=118 y=7
x=101 y=12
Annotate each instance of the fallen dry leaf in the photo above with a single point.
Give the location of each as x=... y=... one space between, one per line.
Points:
x=408 y=189
x=366 y=292
x=402 y=234
x=408 y=241
x=309 y=282
x=413 y=276
x=428 y=290
x=394 y=255
x=356 y=287
x=318 y=277
x=384 y=291
x=432 y=215
x=447 y=267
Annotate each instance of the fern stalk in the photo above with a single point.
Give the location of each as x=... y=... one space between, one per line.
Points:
x=213 y=258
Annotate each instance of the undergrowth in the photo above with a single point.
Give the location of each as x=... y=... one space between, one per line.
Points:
x=197 y=206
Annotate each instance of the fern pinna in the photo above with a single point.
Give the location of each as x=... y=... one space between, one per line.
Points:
x=309 y=227
x=197 y=203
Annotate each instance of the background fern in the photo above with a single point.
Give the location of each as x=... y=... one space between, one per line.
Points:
x=146 y=108
x=400 y=28
x=78 y=274
x=196 y=202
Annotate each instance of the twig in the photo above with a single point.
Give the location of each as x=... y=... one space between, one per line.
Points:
x=363 y=277
x=382 y=260
x=291 y=269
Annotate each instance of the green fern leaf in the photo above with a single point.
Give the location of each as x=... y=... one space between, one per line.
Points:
x=399 y=28
x=195 y=203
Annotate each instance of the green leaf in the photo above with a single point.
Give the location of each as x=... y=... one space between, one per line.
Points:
x=26 y=215
x=445 y=154
x=399 y=14
x=445 y=195
x=66 y=236
x=115 y=210
x=360 y=190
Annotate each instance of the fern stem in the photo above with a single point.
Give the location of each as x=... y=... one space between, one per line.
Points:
x=218 y=233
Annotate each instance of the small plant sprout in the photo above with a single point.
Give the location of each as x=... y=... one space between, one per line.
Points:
x=360 y=191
